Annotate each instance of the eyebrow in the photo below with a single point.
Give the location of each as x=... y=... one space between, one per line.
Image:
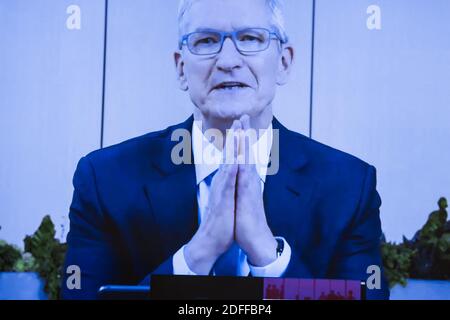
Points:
x=203 y=29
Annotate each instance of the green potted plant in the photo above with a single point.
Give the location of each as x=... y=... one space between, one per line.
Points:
x=34 y=273
x=420 y=268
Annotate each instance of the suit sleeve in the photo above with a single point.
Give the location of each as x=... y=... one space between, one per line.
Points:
x=360 y=247
x=89 y=245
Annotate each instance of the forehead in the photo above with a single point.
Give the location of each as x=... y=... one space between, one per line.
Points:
x=227 y=14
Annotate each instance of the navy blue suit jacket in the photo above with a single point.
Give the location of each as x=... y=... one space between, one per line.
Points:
x=132 y=209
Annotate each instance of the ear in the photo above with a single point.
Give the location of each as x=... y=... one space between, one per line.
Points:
x=285 y=64
x=179 y=65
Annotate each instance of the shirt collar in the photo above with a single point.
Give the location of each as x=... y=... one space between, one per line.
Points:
x=207 y=157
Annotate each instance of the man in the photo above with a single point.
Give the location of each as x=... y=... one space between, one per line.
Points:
x=136 y=211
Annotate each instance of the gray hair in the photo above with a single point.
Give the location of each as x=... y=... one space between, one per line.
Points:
x=275 y=6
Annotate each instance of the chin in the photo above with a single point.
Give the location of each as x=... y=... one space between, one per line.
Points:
x=232 y=110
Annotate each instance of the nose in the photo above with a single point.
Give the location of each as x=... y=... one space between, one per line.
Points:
x=229 y=58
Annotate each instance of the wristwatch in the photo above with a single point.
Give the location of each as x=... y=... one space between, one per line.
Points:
x=280 y=247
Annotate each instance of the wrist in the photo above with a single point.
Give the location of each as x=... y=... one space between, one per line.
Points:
x=263 y=253
x=200 y=255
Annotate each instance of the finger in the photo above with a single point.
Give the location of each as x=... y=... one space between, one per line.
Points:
x=246 y=139
x=230 y=174
x=229 y=167
x=247 y=142
x=242 y=148
x=245 y=120
x=247 y=170
x=230 y=151
x=242 y=175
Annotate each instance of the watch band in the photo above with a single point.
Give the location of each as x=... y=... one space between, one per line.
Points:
x=280 y=247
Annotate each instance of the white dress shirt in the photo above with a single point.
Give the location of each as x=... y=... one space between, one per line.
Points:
x=207 y=159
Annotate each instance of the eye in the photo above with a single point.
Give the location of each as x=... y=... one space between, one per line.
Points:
x=252 y=36
x=249 y=37
x=205 y=41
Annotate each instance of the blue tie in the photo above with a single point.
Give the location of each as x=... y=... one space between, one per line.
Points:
x=228 y=263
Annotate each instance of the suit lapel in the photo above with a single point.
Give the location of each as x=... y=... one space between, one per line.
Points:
x=288 y=194
x=172 y=193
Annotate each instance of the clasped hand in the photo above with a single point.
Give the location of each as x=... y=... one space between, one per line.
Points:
x=235 y=212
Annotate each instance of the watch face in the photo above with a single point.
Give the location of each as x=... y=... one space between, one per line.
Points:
x=280 y=247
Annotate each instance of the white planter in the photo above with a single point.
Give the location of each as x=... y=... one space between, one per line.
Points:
x=422 y=290
x=21 y=286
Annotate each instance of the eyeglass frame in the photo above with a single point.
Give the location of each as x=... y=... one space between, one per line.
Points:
x=232 y=35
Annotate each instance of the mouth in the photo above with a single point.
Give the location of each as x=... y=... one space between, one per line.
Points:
x=230 y=85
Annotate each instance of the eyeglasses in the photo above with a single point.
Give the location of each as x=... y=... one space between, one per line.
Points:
x=210 y=42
